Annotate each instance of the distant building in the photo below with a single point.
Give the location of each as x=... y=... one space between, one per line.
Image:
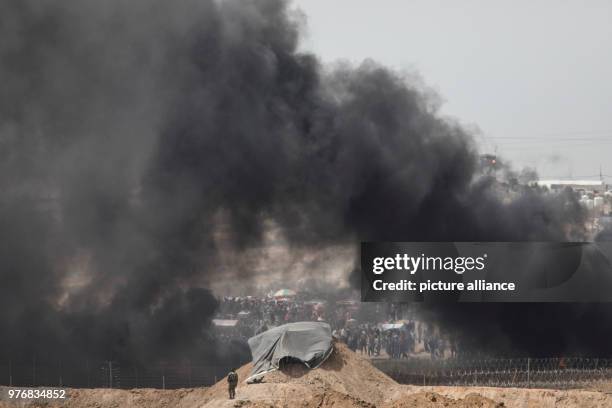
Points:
x=576 y=185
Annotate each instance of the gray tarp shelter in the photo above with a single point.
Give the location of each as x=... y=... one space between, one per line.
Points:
x=308 y=342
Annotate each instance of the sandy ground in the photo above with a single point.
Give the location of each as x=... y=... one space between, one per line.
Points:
x=345 y=380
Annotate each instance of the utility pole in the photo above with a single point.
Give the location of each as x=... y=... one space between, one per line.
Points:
x=163 y=376
x=528 y=367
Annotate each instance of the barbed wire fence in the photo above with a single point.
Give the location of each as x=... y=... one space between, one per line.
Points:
x=517 y=372
x=110 y=374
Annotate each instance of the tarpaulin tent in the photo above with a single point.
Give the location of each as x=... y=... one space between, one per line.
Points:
x=225 y=325
x=391 y=326
x=308 y=342
x=284 y=293
x=315 y=302
x=224 y=322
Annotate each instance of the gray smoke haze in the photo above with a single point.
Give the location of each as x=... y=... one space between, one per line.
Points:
x=132 y=133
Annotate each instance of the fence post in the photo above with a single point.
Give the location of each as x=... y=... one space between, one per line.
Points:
x=528 y=372
x=10 y=373
x=34 y=371
x=60 y=373
x=110 y=374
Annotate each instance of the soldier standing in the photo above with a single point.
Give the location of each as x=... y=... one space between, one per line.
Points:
x=232 y=382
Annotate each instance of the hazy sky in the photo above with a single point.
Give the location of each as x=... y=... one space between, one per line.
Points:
x=534 y=76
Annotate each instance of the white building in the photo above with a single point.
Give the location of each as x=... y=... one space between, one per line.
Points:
x=586 y=185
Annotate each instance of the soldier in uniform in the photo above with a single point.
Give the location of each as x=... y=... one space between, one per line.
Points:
x=232 y=382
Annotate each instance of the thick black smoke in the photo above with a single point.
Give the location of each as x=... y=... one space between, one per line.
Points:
x=132 y=133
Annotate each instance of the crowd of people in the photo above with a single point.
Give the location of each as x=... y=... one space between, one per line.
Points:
x=376 y=330
x=399 y=340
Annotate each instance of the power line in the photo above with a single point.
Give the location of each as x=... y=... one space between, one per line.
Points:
x=579 y=132
x=548 y=138
x=567 y=142
x=523 y=147
x=603 y=133
x=592 y=175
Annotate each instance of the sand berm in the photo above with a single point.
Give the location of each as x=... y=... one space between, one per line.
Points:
x=345 y=380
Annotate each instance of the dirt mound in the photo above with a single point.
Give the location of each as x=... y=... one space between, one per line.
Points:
x=328 y=399
x=345 y=380
x=527 y=397
x=432 y=399
x=107 y=398
x=344 y=372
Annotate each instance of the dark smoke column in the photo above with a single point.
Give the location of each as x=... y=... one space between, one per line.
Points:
x=131 y=133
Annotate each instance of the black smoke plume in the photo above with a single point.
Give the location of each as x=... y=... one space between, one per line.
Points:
x=133 y=133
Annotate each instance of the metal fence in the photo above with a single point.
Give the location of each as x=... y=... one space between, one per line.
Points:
x=520 y=372
x=110 y=374
x=523 y=372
